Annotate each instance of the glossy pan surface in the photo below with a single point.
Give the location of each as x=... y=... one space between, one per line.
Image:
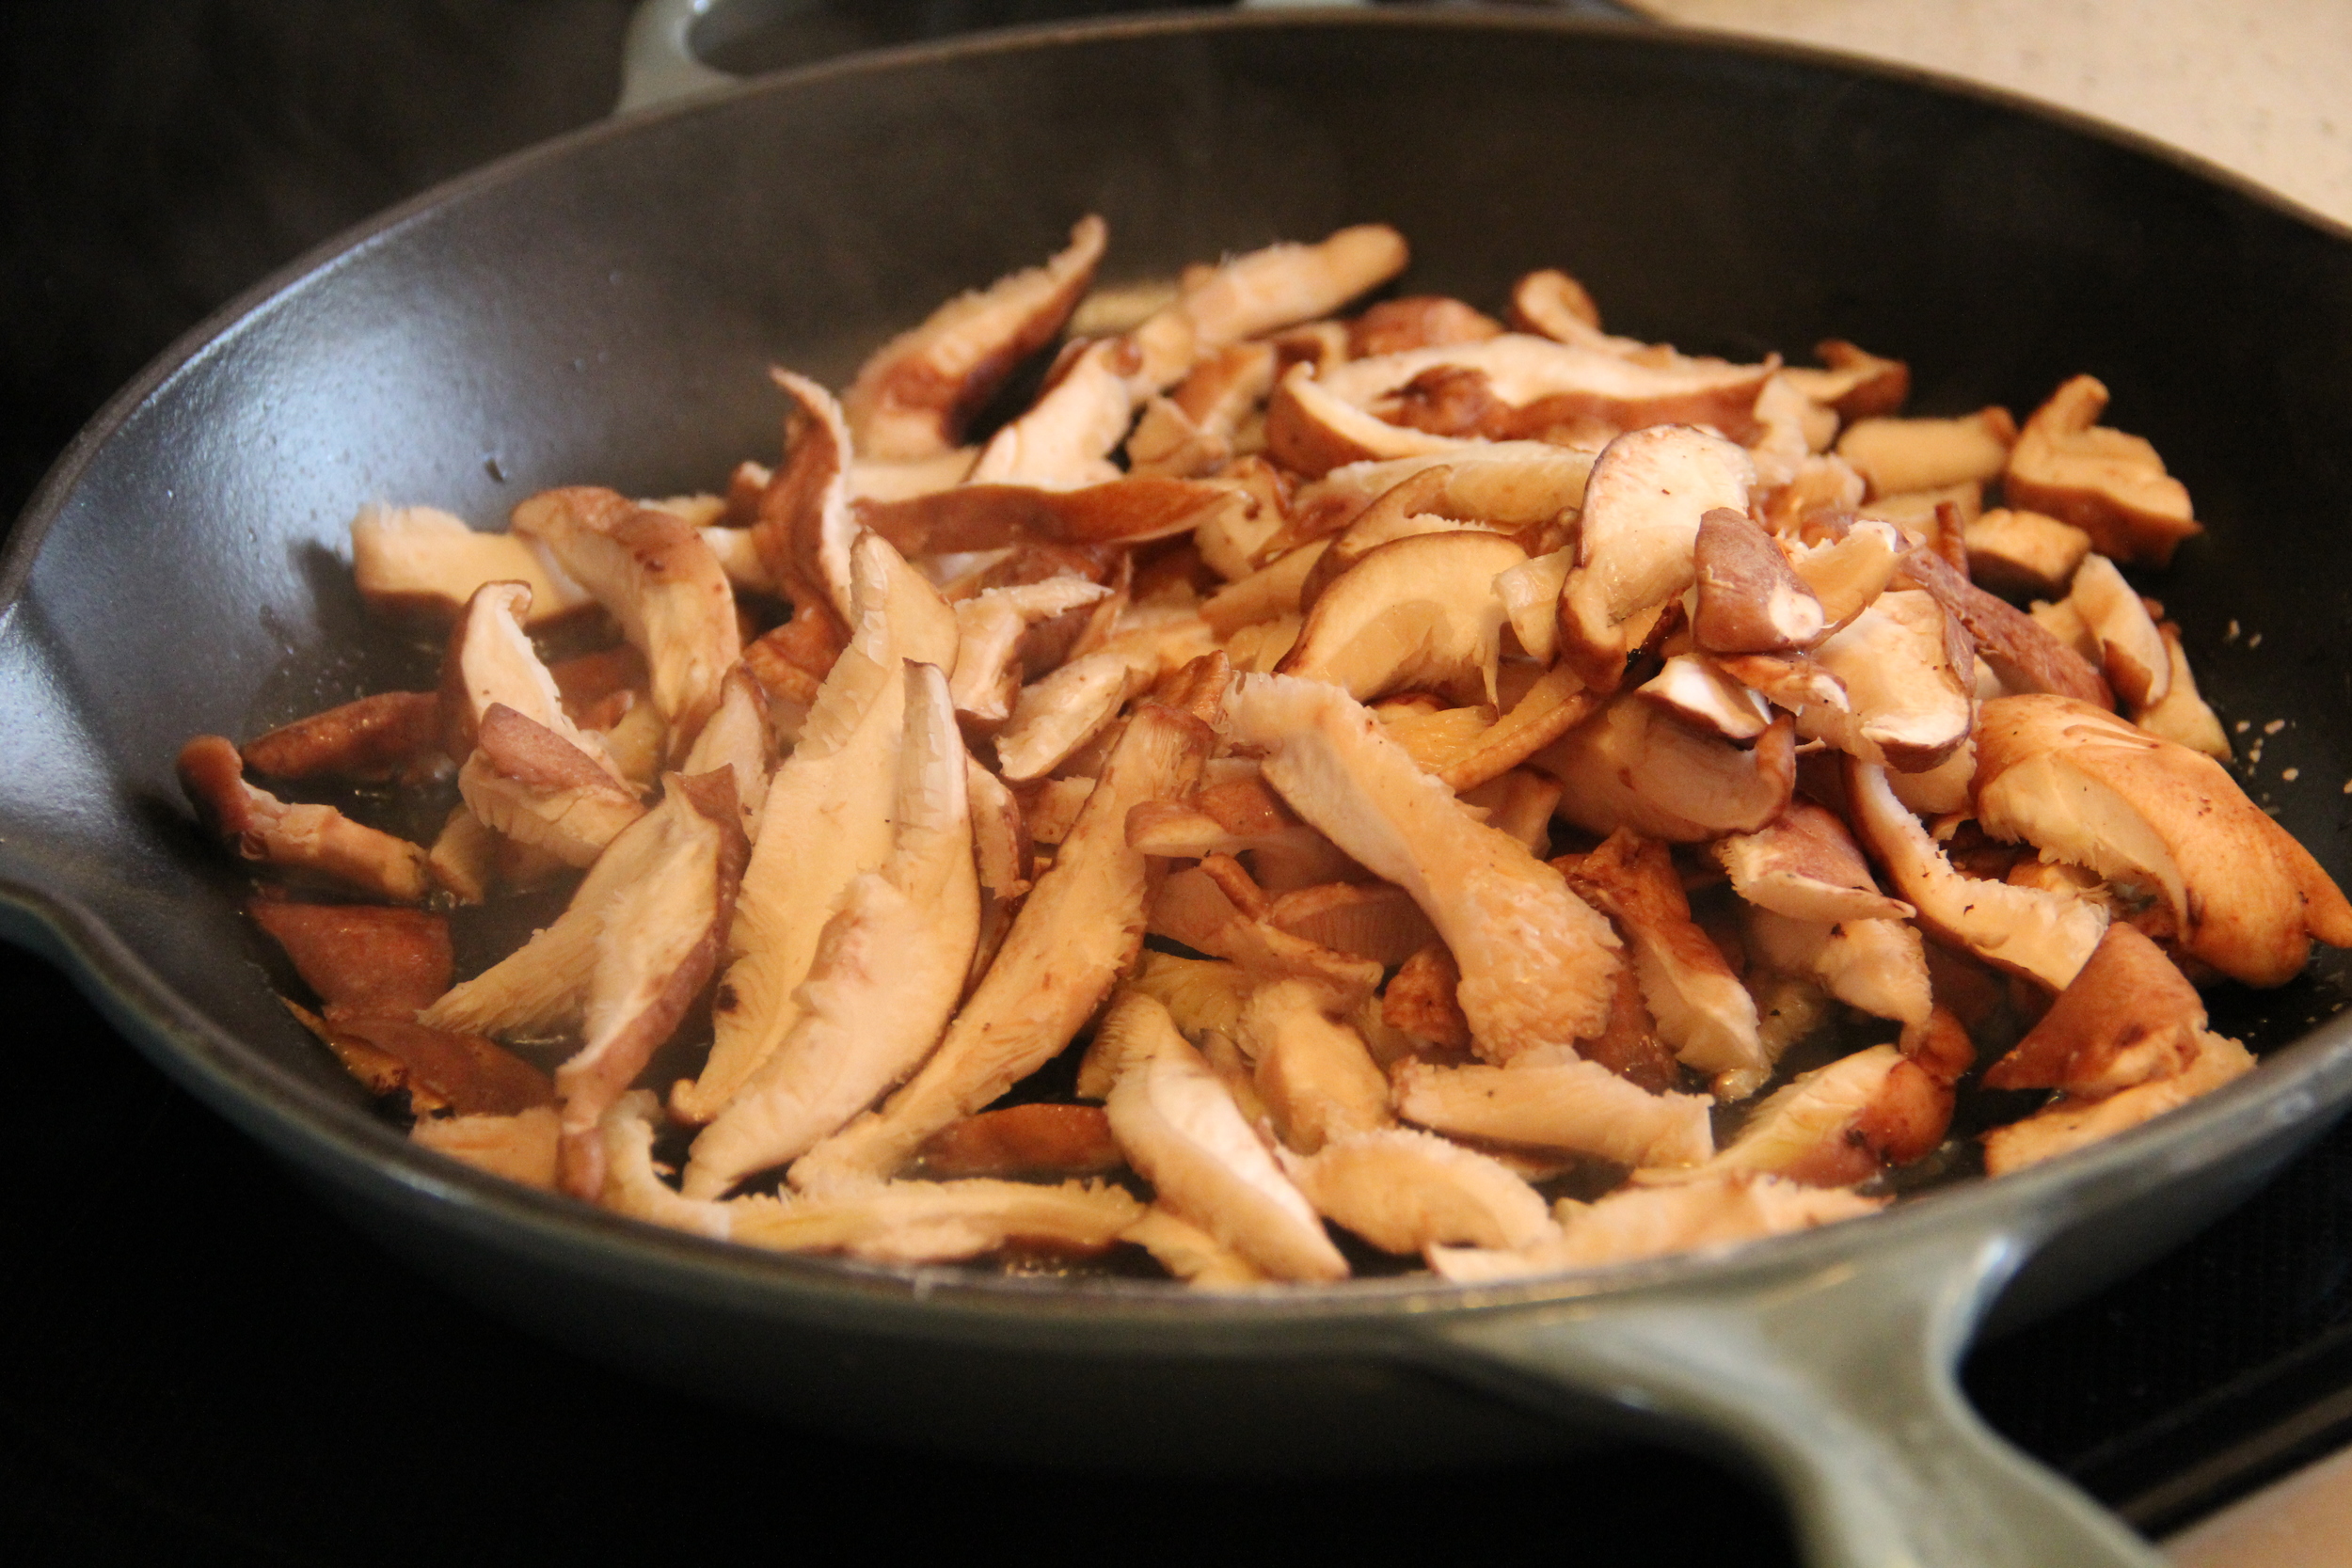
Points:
x=603 y=312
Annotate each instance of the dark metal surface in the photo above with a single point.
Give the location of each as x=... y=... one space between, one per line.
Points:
x=2188 y=288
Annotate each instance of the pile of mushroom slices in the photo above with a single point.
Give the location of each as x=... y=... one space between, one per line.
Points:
x=1590 y=800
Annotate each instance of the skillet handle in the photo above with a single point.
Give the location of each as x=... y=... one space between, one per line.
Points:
x=1838 y=1380
x=658 y=64
x=658 y=61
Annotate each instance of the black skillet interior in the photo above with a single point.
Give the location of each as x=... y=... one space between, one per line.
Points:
x=603 y=312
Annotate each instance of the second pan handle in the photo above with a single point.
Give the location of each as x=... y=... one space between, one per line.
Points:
x=1839 y=1382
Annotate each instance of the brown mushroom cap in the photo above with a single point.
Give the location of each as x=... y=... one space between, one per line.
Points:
x=1750 y=601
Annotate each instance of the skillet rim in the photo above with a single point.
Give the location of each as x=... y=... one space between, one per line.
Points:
x=2298 y=1084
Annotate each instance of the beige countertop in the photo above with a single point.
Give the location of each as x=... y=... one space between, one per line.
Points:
x=2258 y=86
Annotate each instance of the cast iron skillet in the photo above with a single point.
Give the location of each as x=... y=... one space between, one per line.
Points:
x=601 y=311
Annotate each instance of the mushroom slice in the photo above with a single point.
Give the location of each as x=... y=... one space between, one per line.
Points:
x=1191 y=433
x=2182 y=715
x=1420 y=1001
x=363 y=960
x=1418 y=612
x=1418 y=320
x=824 y=822
x=985 y=516
x=990 y=628
x=1203 y=997
x=437 y=1070
x=1750 y=600
x=897 y=480
x=1700 y=1007
x=888 y=970
x=1214 y=907
x=791 y=662
x=1182 y=1132
x=1642 y=506
x=1805 y=865
x=2130 y=1017
x=2024 y=654
x=1696 y=690
x=1528 y=386
x=1468 y=751
x=938 y=1222
x=1512 y=485
x=1530 y=600
x=2112 y=485
x=1079 y=930
x=1520 y=802
x=1576 y=1107
x=914 y=394
x=530 y=783
x=1556 y=305
x=418 y=561
x=2083 y=786
x=1805 y=1130
x=1857 y=384
x=1630 y=1048
x=1879 y=966
x=490 y=661
x=393 y=735
x=1899 y=455
x=1272 y=591
x=1402 y=514
x=805 y=525
x=1314 y=1075
x=1405 y=1191
x=2016 y=551
x=536 y=990
x=1369 y=920
x=1026 y=1140
x=1191 y=1253
x=658 y=941
x=1234 y=819
x=660 y=582
x=736 y=550
x=1848 y=574
x=1536 y=962
x=1632 y=765
x=518 y=1148
x=1284 y=285
x=1054 y=716
x=1001 y=851
x=1909 y=678
x=2046 y=935
x=2072 y=1124
x=1635 y=1223
x=1312 y=430
x=740 y=738
x=313 y=841
x=1790 y=432
x=2131 y=650
x=1065 y=440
